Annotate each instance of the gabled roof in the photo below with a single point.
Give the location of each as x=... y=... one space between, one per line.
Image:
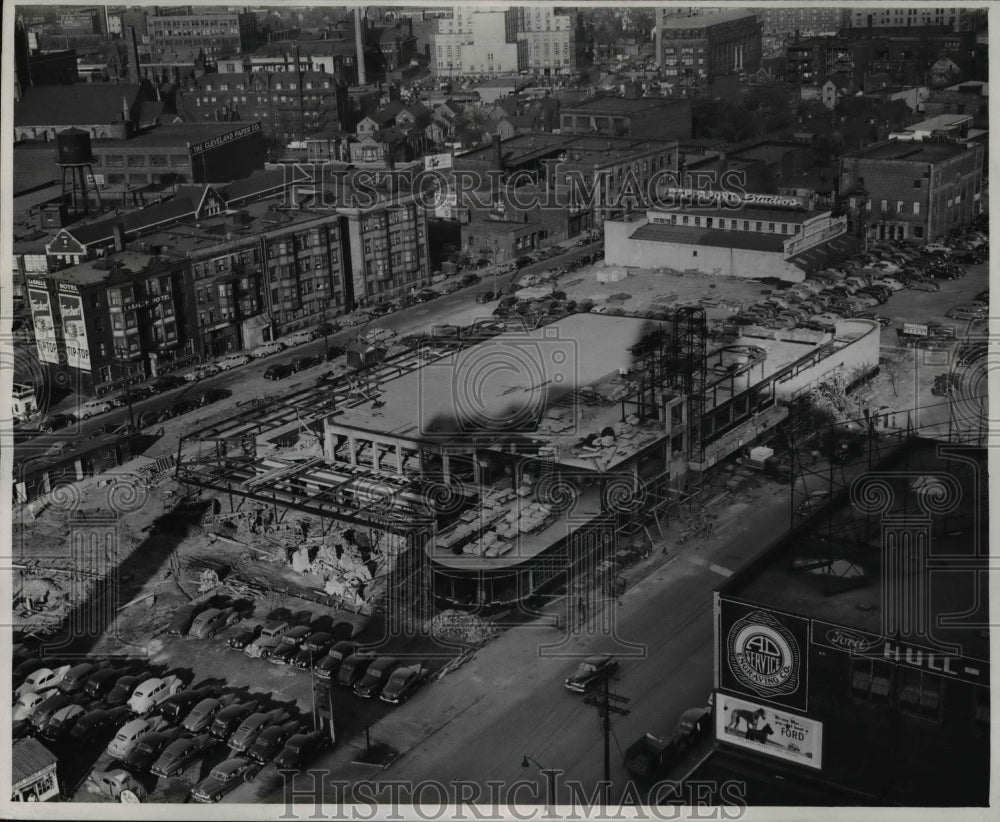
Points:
x=388 y=112
x=417 y=110
x=79 y=104
x=29 y=757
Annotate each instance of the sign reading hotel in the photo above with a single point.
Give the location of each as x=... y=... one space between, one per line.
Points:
x=43 y=322
x=769 y=731
x=74 y=330
x=764 y=654
x=224 y=139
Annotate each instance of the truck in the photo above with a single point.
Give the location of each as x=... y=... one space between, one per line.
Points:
x=650 y=756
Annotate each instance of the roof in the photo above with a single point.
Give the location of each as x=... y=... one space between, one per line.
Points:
x=150 y=110
x=621 y=105
x=171 y=135
x=909 y=151
x=79 y=104
x=703 y=20
x=388 y=112
x=29 y=757
x=691 y=235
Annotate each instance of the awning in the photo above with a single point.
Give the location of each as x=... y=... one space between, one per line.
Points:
x=257 y=321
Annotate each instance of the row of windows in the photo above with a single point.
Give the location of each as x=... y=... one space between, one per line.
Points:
x=141 y=160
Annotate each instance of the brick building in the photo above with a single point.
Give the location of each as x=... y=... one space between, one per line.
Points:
x=704 y=46
x=289 y=105
x=804 y=19
x=911 y=189
x=216 y=35
x=555 y=40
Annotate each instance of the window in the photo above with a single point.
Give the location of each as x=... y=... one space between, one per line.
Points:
x=899 y=206
x=919 y=693
x=770 y=227
x=114 y=161
x=916 y=208
x=885 y=205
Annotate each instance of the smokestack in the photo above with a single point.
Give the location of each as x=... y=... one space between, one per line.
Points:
x=656 y=36
x=360 y=43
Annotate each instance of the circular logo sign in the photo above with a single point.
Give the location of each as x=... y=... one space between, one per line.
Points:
x=763 y=655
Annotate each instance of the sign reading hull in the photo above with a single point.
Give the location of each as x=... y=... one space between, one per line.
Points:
x=770 y=731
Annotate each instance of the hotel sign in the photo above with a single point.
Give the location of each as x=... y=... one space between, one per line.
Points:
x=224 y=139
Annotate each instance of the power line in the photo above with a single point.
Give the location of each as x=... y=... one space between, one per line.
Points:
x=607 y=703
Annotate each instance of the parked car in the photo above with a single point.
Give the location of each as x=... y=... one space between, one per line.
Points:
x=924 y=285
x=353 y=667
x=199 y=372
x=327 y=668
x=28 y=702
x=224 y=777
x=402 y=684
x=208 y=623
x=375 y=677
x=251 y=727
x=118 y=784
x=168 y=382
x=131 y=732
x=590 y=672
x=99 y=723
x=180 y=753
x=148 y=749
x=178 y=705
x=229 y=718
x=302 y=363
x=813 y=501
x=937 y=248
x=293 y=638
x=62 y=721
x=90 y=409
x=283 y=654
x=201 y=716
x=231 y=361
x=42 y=715
x=42 y=679
x=271 y=741
x=152 y=692
x=298 y=338
x=76 y=677
x=244 y=638
x=267 y=349
x=124 y=687
x=278 y=371
x=963 y=312
x=185 y=407
x=300 y=748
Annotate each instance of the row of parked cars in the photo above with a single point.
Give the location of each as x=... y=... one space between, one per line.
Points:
x=152 y=723
x=855 y=286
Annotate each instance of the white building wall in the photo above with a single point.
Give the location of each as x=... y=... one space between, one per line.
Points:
x=859 y=356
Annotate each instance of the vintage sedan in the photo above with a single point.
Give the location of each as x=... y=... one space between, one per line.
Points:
x=224 y=777
x=180 y=753
x=591 y=671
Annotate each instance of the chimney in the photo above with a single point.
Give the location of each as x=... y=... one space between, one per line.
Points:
x=119 y=231
x=360 y=44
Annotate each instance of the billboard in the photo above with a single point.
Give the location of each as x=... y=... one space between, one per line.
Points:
x=769 y=731
x=763 y=654
x=437 y=161
x=43 y=321
x=916 y=329
x=74 y=330
x=230 y=156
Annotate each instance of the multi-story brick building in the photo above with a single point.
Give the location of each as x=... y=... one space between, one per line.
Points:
x=554 y=39
x=704 y=46
x=479 y=40
x=289 y=105
x=911 y=189
x=805 y=19
x=906 y=16
x=216 y=35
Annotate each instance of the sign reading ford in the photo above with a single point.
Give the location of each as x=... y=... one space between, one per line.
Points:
x=769 y=731
x=762 y=654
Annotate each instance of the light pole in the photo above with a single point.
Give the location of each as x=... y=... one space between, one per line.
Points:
x=550 y=775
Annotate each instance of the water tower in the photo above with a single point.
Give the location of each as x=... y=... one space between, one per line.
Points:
x=76 y=160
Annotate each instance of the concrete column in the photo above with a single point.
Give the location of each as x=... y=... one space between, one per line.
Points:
x=399 y=459
x=352 y=449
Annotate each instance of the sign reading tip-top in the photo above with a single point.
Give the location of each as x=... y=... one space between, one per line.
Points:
x=764 y=657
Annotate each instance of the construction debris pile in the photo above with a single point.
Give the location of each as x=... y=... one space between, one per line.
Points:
x=461 y=626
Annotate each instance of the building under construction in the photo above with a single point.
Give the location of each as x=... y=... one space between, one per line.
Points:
x=490 y=467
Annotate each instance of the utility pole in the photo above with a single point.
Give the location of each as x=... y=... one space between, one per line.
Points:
x=605 y=708
x=128 y=394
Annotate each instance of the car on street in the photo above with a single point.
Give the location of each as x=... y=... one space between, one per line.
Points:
x=267 y=349
x=185 y=406
x=53 y=422
x=278 y=371
x=591 y=671
x=302 y=363
x=937 y=248
x=298 y=338
x=167 y=382
x=141 y=392
x=300 y=748
x=271 y=740
x=813 y=501
x=208 y=623
x=402 y=684
x=224 y=777
x=231 y=361
x=924 y=285
x=199 y=372
x=179 y=754
x=230 y=717
x=201 y=716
